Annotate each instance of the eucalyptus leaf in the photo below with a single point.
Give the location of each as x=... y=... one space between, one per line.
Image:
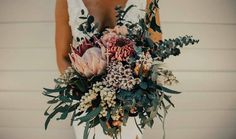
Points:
x=135 y=120
x=65 y=99
x=143 y=85
x=128 y=9
x=104 y=126
x=154 y=25
x=82 y=11
x=167 y=98
x=50 y=116
x=86 y=131
x=167 y=90
x=55 y=100
x=46 y=111
x=91 y=115
x=49 y=91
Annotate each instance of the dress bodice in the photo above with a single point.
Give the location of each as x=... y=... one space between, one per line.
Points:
x=75 y=7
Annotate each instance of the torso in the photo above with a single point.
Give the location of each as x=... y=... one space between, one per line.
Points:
x=104 y=16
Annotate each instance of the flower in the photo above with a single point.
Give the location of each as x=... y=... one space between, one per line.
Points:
x=91 y=63
x=120 y=76
x=162 y=76
x=146 y=61
x=118 y=47
x=108 y=96
x=86 y=44
x=117 y=114
x=120 y=30
x=86 y=100
x=166 y=77
x=66 y=76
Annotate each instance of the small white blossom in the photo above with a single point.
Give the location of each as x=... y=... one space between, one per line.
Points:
x=120 y=76
x=65 y=77
x=165 y=77
x=86 y=100
x=146 y=60
x=117 y=114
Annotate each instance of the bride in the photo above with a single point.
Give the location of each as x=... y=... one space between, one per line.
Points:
x=67 y=21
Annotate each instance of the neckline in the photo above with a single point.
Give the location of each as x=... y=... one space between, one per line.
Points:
x=85 y=8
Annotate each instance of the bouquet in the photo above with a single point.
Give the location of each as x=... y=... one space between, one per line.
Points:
x=116 y=75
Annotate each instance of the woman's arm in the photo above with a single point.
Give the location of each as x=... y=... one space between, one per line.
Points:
x=156 y=36
x=63 y=36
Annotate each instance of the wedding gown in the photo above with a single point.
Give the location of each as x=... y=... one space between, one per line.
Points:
x=129 y=131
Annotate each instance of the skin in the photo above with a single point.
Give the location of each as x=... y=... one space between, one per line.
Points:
x=63 y=34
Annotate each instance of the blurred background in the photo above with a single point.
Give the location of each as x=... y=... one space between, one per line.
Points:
x=207 y=72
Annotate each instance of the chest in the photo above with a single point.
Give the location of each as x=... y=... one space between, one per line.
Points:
x=104 y=10
x=100 y=5
x=99 y=9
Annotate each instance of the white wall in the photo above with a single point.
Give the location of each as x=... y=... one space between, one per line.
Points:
x=206 y=109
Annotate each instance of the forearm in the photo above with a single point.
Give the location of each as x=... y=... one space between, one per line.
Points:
x=156 y=36
x=63 y=41
x=63 y=35
x=63 y=63
x=62 y=50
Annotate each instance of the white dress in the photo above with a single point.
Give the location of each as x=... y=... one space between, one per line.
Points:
x=74 y=9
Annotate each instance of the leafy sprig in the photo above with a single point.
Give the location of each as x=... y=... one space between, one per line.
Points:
x=150 y=17
x=121 y=13
x=88 y=26
x=168 y=47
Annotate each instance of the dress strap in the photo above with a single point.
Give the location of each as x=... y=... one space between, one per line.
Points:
x=74 y=11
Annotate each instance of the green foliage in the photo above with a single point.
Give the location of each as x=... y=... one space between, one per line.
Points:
x=150 y=17
x=162 y=50
x=153 y=24
x=122 y=13
x=88 y=26
x=150 y=99
x=86 y=131
x=91 y=115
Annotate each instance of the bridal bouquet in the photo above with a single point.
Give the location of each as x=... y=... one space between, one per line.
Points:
x=116 y=75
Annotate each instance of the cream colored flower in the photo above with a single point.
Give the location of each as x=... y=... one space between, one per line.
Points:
x=120 y=30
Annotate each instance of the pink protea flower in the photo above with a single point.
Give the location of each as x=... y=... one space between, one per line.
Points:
x=118 y=48
x=91 y=63
x=86 y=44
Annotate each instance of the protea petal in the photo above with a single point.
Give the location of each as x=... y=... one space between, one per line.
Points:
x=101 y=66
x=80 y=64
x=84 y=46
x=77 y=66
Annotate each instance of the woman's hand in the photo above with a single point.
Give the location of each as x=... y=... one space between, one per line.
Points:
x=63 y=35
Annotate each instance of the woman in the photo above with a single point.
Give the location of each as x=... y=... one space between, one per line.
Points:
x=67 y=21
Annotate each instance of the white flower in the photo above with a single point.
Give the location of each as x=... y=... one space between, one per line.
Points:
x=120 y=30
x=120 y=76
x=86 y=100
x=117 y=114
x=163 y=77
x=146 y=60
